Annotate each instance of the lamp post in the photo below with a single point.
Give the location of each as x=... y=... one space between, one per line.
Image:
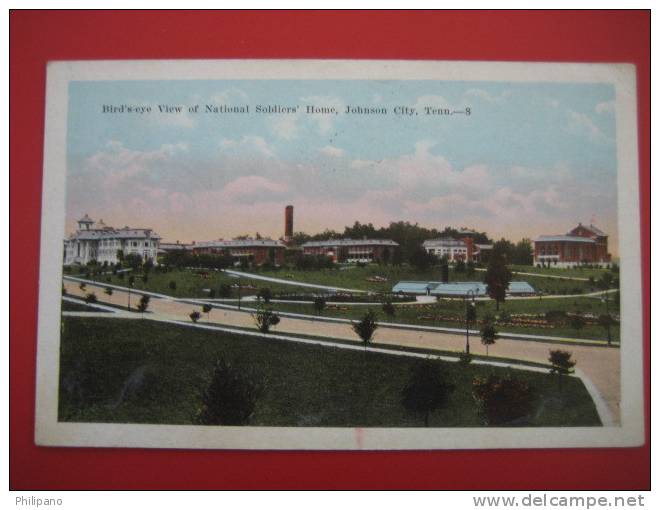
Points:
x=239 y=288
x=605 y=299
x=470 y=313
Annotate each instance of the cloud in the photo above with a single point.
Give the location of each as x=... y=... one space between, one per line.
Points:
x=253 y=188
x=231 y=96
x=284 y=126
x=605 y=107
x=487 y=96
x=582 y=125
x=248 y=143
x=334 y=152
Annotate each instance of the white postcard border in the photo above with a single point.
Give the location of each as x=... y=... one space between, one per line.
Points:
x=48 y=431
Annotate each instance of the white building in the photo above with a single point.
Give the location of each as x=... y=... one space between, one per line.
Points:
x=453 y=249
x=100 y=242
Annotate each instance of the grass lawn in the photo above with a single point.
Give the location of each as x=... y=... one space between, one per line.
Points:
x=354 y=277
x=189 y=283
x=68 y=306
x=558 y=271
x=451 y=313
x=145 y=372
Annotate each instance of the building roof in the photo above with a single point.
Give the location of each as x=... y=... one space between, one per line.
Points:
x=109 y=233
x=414 y=287
x=240 y=243
x=85 y=219
x=444 y=242
x=460 y=289
x=591 y=228
x=484 y=246
x=564 y=238
x=349 y=242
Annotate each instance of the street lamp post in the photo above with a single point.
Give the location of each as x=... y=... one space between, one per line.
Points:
x=468 y=315
x=606 y=300
x=239 y=288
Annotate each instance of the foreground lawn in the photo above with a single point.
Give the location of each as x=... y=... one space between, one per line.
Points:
x=147 y=372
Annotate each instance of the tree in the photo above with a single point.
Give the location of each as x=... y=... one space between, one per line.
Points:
x=133 y=260
x=426 y=390
x=108 y=291
x=460 y=266
x=523 y=253
x=231 y=396
x=224 y=291
x=206 y=308
x=82 y=286
x=319 y=304
x=264 y=319
x=265 y=294
x=90 y=298
x=503 y=400
x=488 y=333
x=497 y=278
x=389 y=309
x=143 y=304
x=562 y=364
x=194 y=315
x=421 y=259
x=147 y=266
x=577 y=322
x=365 y=328
x=444 y=270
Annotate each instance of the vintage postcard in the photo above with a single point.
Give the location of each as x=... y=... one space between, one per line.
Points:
x=340 y=255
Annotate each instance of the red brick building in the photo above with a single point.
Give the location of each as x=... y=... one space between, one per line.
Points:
x=257 y=251
x=582 y=245
x=352 y=250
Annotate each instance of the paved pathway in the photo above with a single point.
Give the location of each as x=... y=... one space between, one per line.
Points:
x=599 y=363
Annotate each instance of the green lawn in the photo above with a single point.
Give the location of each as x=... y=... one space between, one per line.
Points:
x=557 y=271
x=189 y=283
x=145 y=372
x=451 y=313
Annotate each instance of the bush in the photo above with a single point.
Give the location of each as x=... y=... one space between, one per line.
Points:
x=426 y=391
x=172 y=285
x=194 y=316
x=266 y=318
x=319 y=304
x=366 y=327
x=503 y=400
x=465 y=358
x=90 y=298
x=231 y=396
x=265 y=294
x=389 y=308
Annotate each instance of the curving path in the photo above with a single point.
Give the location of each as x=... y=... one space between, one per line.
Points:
x=600 y=364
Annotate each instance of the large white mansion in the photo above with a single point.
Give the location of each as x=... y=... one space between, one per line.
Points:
x=100 y=242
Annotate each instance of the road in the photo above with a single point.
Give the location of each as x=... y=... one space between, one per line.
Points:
x=600 y=364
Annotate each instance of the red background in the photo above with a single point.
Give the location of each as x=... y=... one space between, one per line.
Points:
x=39 y=36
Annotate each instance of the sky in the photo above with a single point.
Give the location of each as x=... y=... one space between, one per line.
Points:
x=530 y=159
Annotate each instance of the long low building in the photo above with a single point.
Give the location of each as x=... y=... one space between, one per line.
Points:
x=352 y=250
x=459 y=289
x=453 y=249
x=103 y=243
x=582 y=245
x=257 y=251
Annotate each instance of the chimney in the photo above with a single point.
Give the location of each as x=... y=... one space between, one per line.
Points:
x=288 y=224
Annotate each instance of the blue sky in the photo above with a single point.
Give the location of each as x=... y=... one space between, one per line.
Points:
x=532 y=158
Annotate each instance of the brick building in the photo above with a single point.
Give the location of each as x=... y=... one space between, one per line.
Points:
x=582 y=245
x=352 y=250
x=257 y=251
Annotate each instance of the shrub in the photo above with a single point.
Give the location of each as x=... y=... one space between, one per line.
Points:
x=503 y=400
x=389 y=308
x=265 y=318
x=319 y=304
x=108 y=291
x=366 y=327
x=172 y=285
x=426 y=391
x=231 y=396
x=194 y=316
x=90 y=298
x=265 y=294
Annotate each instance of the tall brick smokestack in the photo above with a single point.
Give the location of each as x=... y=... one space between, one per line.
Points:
x=288 y=223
